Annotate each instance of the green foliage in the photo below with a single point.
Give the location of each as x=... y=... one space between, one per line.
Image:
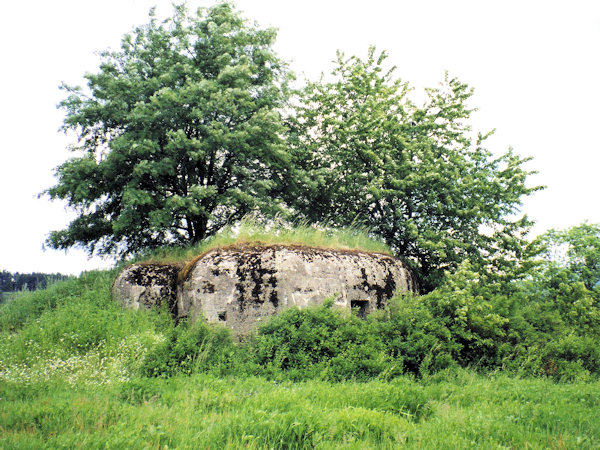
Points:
x=317 y=343
x=547 y=325
x=555 y=317
x=179 y=134
x=189 y=349
x=577 y=249
x=475 y=326
x=416 y=176
x=414 y=338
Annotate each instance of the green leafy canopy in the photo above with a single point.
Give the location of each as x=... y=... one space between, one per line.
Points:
x=576 y=250
x=182 y=131
x=417 y=176
x=179 y=133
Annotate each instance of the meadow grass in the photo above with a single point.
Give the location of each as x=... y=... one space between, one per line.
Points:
x=458 y=410
x=277 y=232
x=72 y=332
x=70 y=377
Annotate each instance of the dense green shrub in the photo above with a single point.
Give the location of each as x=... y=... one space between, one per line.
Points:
x=191 y=348
x=414 y=340
x=318 y=342
x=453 y=325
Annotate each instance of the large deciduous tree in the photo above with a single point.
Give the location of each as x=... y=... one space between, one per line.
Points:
x=417 y=176
x=179 y=133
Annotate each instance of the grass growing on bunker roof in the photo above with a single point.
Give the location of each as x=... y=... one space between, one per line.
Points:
x=251 y=232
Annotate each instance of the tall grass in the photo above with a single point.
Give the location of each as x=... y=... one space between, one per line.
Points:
x=77 y=370
x=26 y=305
x=277 y=232
x=74 y=332
x=457 y=410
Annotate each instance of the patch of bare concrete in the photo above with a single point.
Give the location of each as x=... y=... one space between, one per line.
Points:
x=147 y=285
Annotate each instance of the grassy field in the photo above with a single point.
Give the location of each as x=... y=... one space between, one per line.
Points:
x=454 y=410
x=76 y=371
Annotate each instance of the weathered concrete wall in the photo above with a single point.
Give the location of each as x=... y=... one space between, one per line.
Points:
x=147 y=285
x=242 y=285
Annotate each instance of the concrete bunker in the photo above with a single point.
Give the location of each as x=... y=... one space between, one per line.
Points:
x=242 y=285
x=253 y=282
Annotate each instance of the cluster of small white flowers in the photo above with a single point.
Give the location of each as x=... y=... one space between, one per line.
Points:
x=103 y=364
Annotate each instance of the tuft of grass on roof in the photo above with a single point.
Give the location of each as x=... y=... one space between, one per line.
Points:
x=251 y=232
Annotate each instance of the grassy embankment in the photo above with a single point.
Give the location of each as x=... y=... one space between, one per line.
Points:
x=76 y=370
x=250 y=232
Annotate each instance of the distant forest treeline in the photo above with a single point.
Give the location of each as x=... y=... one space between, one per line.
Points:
x=10 y=282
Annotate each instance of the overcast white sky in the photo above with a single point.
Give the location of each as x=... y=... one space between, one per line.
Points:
x=535 y=67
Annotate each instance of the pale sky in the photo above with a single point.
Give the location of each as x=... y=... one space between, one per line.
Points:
x=535 y=67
